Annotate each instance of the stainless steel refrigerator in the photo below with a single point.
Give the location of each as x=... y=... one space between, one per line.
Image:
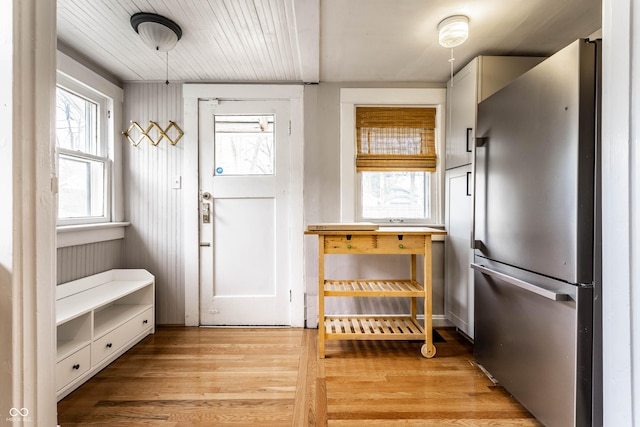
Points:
x=536 y=238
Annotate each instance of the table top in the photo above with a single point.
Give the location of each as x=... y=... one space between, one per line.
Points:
x=382 y=231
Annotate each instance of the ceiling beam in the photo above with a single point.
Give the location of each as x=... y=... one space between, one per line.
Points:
x=307 y=21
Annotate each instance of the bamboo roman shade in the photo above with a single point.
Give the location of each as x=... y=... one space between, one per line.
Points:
x=395 y=139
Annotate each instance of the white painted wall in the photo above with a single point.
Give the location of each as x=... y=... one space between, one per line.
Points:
x=621 y=211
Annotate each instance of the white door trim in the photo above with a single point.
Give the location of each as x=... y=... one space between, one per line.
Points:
x=192 y=93
x=27 y=219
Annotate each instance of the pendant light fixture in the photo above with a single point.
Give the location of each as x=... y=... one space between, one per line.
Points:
x=159 y=33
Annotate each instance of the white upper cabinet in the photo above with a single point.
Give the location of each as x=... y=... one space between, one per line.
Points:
x=478 y=80
x=461 y=115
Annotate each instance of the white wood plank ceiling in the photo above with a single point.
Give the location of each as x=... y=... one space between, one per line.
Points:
x=316 y=40
x=233 y=40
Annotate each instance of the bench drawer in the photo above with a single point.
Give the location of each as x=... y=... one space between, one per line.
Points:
x=116 y=339
x=72 y=367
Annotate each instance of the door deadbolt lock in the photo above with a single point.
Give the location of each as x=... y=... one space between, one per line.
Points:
x=206 y=212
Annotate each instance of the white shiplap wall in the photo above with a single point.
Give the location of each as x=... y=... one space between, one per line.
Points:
x=154 y=239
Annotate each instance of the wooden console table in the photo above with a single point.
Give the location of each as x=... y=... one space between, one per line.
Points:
x=384 y=240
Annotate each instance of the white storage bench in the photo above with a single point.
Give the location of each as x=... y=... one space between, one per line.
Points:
x=98 y=318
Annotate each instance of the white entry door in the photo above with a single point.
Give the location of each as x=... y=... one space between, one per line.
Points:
x=244 y=211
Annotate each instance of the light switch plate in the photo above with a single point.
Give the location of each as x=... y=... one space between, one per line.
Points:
x=177 y=182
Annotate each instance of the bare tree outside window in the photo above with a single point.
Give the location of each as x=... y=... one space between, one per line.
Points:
x=244 y=145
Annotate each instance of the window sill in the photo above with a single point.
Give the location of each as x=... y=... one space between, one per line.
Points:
x=74 y=235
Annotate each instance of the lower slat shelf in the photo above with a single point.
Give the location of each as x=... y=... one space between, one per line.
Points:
x=359 y=288
x=373 y=328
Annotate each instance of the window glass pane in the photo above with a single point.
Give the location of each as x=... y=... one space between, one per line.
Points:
x=395 y=195
x=81 y=187
x=76 y=122
x=244 y=145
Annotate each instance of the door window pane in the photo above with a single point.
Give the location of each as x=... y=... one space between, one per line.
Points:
x=395 y=195
x=244 y=145
x=81 y=187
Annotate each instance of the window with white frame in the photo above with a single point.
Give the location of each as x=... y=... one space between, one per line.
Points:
x=390 y=172
x=395 y=155
x=82 y=149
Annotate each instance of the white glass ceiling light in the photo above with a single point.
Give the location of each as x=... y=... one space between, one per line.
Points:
x=453 y=31
x=157 y=32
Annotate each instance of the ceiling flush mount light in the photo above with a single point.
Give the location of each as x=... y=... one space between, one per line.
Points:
x=156 y=31
x=453 y=31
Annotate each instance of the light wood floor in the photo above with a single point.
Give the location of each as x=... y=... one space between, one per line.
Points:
x=273 y=377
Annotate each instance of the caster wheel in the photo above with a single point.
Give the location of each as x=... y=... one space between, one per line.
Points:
x=428 y=353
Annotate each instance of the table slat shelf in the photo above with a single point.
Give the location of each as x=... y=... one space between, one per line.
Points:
x=373 y=328
x=383 y=288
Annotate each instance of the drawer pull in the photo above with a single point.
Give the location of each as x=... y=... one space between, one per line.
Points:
x=145 y=321
x=401 y=246
x=109 y=345
x=348 y=246
x=76 y=366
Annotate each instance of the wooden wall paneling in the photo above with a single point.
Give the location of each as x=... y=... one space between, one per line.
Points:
x=74 y=262
x=154 y=239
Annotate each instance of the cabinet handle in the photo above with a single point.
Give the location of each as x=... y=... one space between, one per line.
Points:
x=401 y=246
x=145 y=321
x=109 y=345
x=468 y=183
x=76 y=366
x=469 y=130
x=348 y=246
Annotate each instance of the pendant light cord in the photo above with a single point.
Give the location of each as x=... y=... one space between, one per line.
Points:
x=167 y=81
x=451 y=66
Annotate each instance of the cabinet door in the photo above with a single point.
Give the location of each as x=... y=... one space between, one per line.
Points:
x=459 y=304
x=461 y=115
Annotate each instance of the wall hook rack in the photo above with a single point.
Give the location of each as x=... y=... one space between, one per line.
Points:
x=145 y=133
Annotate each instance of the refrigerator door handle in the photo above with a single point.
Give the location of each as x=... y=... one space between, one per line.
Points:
x=552 y=295
x=477 y=142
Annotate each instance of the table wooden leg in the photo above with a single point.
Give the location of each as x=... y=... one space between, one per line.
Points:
x=413 y=277
x=428 y=349
x=321 y=329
